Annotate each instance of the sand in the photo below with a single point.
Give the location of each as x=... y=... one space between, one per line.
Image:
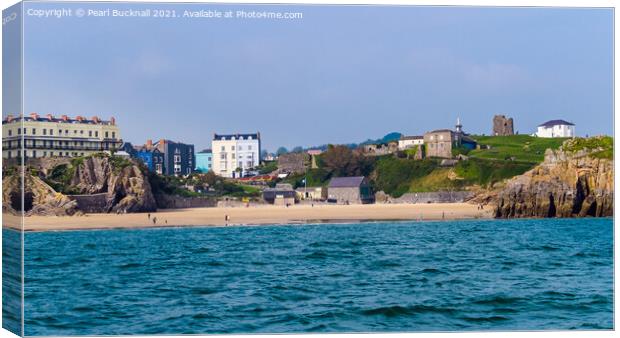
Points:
x=254 y=215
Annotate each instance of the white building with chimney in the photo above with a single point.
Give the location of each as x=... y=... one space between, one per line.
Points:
x=235 y=154
x=556 y=128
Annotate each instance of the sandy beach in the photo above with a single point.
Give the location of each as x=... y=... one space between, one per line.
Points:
x=254 y=215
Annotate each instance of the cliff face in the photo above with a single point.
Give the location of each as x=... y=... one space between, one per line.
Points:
x=125 y=187
x=566 y=184
x=92 y=184
x=38 y=198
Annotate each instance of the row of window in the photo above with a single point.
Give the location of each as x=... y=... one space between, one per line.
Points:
x=240 y=148
x=45 y=154
x=60 y=131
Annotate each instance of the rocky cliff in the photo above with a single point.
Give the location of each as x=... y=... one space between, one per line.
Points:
x=67 y=187
x=569 y=183
x=38 y=198
x=125 y=186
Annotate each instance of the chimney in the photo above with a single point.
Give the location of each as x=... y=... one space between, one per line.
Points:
x=149 y=144
x=64 y=118
x=9 y=118
x=112 y=120
x=79 y=118
x=50 y=116
x=96 y=119
x=34 y=116
x=162 y=141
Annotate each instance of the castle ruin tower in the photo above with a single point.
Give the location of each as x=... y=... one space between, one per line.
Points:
x=503 y=126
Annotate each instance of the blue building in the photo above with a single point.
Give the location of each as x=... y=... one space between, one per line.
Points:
x=204 y=161
x=149 y=155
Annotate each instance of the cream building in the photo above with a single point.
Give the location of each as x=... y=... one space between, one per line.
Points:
x=406 y=142
x=48 y=136
x=235 y=154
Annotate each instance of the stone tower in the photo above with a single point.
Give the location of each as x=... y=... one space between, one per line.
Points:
x=502 y=126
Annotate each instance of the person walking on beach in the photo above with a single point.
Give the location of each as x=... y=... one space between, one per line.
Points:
x=148 y=215
x=226 y=219
x=154 y=220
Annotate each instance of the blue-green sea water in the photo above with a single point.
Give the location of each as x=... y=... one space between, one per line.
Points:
x=535 y=274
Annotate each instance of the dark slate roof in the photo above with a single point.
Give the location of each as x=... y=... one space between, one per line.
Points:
x=346 y=182
x=205 y=151
x=441 y=131
x=218 y=137
x=555 y=123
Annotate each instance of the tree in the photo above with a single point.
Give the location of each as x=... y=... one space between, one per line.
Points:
x=297 y=149
x=340 y=160
x=281 y=151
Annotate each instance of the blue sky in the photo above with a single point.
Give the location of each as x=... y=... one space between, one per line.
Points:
x=341 y=74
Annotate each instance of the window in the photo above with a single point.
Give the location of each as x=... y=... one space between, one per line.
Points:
x=223 y=148
x=44 y=133
x=45 y=152
x=75 y=132
x=66 y=131
x=222 y=156
x=34 y=131
x=90 y=133
x=113 y=134
x=250 y=147
x=240 y=148
x=232 y=148
x=96 y=134
x=19 y=131
x=232 y=156
x=10 y=132
x=106 y=134
x=51 y=131
x=249 y=164
x=34 y=154
x=177 y=158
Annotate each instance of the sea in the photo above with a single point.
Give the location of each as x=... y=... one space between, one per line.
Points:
x=413 y=276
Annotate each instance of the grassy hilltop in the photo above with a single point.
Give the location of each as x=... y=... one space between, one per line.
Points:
x=500 y=158
x=523 y=148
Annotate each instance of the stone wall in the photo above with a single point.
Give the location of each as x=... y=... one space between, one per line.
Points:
x=433 y=197
x=178 y=202
x=96 y=203
x=344 y=195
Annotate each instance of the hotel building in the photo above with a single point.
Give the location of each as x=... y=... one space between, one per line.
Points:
x=47 y=136
x=235 y=154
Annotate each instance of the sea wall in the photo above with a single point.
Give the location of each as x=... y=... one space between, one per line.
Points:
x=430 y=197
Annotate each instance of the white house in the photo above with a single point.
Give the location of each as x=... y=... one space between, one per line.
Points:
x=235 y=154
x=556 y=128
x=406 y=142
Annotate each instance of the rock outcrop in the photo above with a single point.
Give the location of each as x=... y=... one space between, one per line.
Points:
x=92 y=184
x=126 y=187
x=566 y=184
x=38 y=198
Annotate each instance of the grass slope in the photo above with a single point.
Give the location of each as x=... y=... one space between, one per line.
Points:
x=523 y=148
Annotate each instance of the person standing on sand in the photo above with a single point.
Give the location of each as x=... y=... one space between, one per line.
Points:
x=154 y=220
x=148 y=215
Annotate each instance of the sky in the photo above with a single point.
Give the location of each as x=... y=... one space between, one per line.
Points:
x=340 y=74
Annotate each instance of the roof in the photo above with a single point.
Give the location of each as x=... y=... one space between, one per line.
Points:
x=412 y=137
x=346 y=182
x=552 y=123
x=205 y=151
x=441 y=131
x=63 y=119
x=254 y=136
